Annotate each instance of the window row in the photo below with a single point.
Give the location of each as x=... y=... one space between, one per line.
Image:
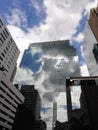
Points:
x=1 y=23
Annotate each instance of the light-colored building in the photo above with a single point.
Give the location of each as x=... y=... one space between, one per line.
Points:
x=10 y=96
x=90 y=43
x=8 y=52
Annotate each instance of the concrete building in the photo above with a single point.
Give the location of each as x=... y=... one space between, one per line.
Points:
x=90 y=42
x=8 y=52
x=10 y=96
x=32 y=99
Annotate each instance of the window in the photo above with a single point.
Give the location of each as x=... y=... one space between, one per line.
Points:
x=2 y=54
x=1 y=22
x=7 y=48
x=5 y=51
x=11 y=59
x=8 y=66
x=1 y=58
x=9 y=62
x=4 y=34
x=8 y=45
x=6 y=31
x=11 y=40
x=3 y=37
x=1 y=40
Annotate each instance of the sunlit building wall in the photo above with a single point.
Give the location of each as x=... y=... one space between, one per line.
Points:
x=88 y=47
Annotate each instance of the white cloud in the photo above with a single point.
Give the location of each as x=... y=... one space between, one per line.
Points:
x=17 y=18
x=84 y=70
x=62 y=18
x=80 y=37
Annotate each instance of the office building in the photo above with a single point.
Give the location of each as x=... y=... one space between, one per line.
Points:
x=10 y=96
x=32 y=99
x=50 y=62
x=90 y=43
x=57 y=59
x=8 y=52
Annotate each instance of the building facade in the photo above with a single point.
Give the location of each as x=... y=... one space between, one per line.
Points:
x=10 y=96
x=58 y=59
x=8 y=52
x=90 y=43
x=32 y=99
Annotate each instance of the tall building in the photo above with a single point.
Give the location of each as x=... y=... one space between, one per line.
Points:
x=51 y=62
x=32 y=99
x=90 y=42
x=57 y=59
x=8 y=52
x=10 y=96
x=54 y=114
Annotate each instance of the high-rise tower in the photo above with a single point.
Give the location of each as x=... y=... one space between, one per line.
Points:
x=8 y=52
x=90 y=47
x=10 y=96
x=54 y=114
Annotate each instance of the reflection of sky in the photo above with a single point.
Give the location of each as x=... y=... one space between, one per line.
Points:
x=50 y=63
x=31 y=61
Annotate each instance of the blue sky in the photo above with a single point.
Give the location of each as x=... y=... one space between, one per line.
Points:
x=33 y=18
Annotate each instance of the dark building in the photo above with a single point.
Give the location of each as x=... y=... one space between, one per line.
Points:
x=84 y=118
x=61 y=125
x=39 y=125
x=89 y=102
x=23 y=119
x=32 y=99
